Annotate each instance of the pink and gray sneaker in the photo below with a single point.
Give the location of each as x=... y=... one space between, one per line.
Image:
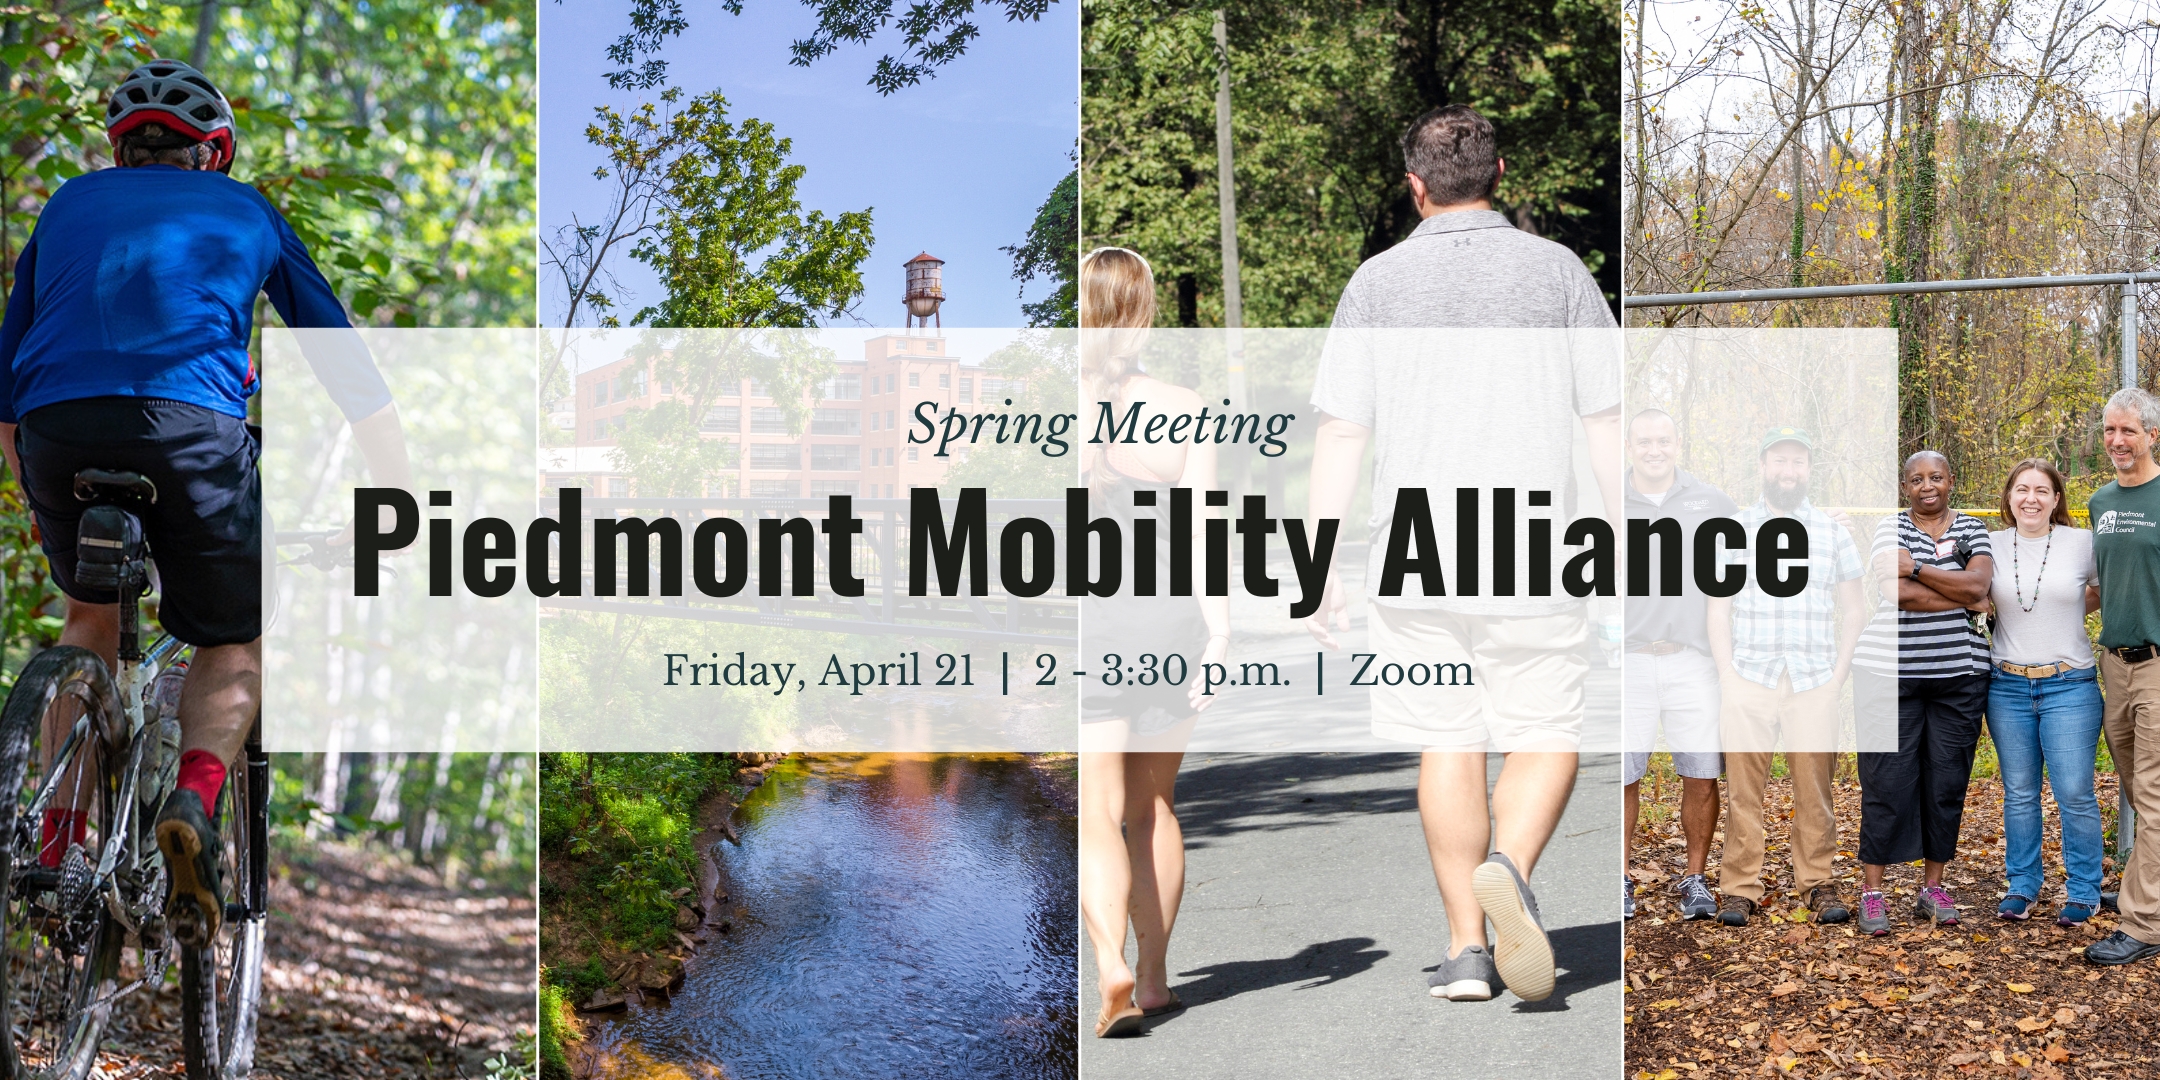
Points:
x=1874 y=914
x=1935 y=902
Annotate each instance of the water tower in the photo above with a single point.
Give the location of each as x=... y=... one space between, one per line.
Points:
x=925 y=290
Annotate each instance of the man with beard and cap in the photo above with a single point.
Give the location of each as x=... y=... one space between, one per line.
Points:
x=1781 y=662
x=1668 y=679
x=1912 y=798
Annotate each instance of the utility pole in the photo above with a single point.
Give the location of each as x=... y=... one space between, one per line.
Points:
x=1226 y=186
x=2129 y=333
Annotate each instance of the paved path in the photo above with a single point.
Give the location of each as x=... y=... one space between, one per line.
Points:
x=1311 y=921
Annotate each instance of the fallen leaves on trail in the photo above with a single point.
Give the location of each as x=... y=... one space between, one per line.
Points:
x=1794 y=998
x=374 y=970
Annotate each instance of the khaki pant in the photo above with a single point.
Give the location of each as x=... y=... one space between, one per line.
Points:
x=2132 y=725
x=1754 y=715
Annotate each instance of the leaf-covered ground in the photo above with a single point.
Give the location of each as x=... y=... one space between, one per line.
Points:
x=374 y=970
x=1785 y=997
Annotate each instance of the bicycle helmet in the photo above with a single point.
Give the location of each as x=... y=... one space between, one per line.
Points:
x=180 y=102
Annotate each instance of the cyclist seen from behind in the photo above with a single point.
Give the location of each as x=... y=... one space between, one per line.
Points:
x=125 y=347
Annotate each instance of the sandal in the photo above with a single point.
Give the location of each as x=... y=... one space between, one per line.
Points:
x=1125 y=1022
x=1175 y=1004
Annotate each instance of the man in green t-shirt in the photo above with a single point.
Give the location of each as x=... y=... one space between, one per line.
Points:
x=2126 y=551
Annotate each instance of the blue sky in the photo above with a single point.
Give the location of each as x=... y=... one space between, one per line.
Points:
x=956 y=165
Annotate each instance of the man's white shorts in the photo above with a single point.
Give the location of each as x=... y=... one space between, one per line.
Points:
x=1526 y=684
x=1678 y=691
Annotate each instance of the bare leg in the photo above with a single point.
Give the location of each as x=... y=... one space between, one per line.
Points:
x=1931 y=873
x=1630 y=809
x=1451 y=804
x=221 y=698
x=1157 y=849
x=1527 y=803
x=1698 y=819
x=1871 y=876
x=1105 y=873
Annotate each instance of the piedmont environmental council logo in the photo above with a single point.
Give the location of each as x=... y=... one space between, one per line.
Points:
x=2106 y=524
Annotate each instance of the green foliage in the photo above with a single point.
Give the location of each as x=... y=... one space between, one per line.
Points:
x=1052 y=251
x=1321 y=94
x=731 y=243
x=554 y=1064
x=625 y=824
x=933 y=34
x=665 y=456
x=518 y=1064
x=468 y=815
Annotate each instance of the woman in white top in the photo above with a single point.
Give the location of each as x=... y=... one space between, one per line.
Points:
x=2044 y=703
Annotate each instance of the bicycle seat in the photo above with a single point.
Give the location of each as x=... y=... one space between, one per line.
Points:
x=114 y=485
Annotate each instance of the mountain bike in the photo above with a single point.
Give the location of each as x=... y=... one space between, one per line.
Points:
x=73 y=736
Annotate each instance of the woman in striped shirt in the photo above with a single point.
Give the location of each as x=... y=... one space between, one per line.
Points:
x=1912 y=800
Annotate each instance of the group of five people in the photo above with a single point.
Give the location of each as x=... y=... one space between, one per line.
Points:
x=1988 y=633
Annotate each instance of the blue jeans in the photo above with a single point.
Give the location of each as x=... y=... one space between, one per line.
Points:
x=2055 y=720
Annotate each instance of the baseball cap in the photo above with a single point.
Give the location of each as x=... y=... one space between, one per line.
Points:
x=1777 y=435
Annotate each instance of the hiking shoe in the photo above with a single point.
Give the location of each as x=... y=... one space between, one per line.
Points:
x=1695 y=899
x=2073 y=914
x=2015 y=908
x=1827 y=905
x=1467 y=977
x=1935 y=902
x=1734 y=910
x=2119 y=948
x=189 y=842
x=2110 y=902
x=1874 y=914
x=1627 y=898
x=1522 y=955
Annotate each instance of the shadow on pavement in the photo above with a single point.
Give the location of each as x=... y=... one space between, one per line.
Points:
x=1314 y=965
x=1230 y=794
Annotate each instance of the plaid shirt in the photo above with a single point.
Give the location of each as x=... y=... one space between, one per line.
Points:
x=1796 y=635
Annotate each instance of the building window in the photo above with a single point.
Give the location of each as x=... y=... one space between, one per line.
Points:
x=832 y=487
x=637 y=383
x=888 y=384
x=722 y=418
x=846 y=457
x=967 y=390
x=618 y=488
x=599 y=429
x=944 y=380
x=764 y=421
x=778 y=455
x=773 y=489
x=836 y=422
x=991 y=389
x=912 y=452
x=757 y=388
x=914 y=379
x=599 y=392
x=622 y=422
x=846 y=386
x=873 y=420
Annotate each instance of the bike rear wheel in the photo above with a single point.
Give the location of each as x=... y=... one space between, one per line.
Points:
x=62 y=944
x=221 y=980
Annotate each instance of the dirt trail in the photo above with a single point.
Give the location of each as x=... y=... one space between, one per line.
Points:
x=374 y=970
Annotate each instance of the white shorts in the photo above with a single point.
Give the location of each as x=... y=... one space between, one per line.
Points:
x=1525 y=685
x=1677 y=692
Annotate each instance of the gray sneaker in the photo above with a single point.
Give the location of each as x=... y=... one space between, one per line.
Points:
x=1627 y=898
x=1874 y=914
x=1522 y=955
x=1467 y=977
x=1935 y=902
x=1695 y=899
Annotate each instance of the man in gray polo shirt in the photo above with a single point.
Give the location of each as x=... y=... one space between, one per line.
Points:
x=1528 y=355
x=1669 y=679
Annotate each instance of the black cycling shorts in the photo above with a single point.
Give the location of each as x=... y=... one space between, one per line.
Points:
x=205 y=530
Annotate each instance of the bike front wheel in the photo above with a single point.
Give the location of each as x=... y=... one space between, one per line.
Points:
x=221 y=980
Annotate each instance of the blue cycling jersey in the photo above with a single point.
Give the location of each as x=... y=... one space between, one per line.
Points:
x=141 y=282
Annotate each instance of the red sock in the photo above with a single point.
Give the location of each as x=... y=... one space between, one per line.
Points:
x=62 y=827
x=202 y=773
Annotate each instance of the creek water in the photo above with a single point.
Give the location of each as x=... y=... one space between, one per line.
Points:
x=892 y=916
